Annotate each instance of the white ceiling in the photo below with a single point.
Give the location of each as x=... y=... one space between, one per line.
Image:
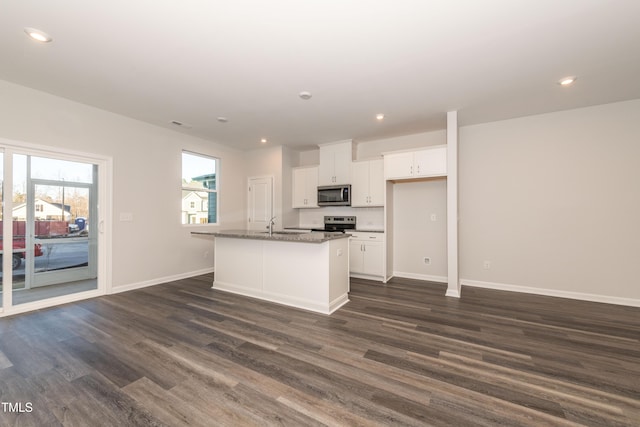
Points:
x=247 y=60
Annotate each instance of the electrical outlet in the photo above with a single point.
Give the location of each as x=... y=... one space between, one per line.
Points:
x=427 y=260
x=486 y=265
x=433 y=217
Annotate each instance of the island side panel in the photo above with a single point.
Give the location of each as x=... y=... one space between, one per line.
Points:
x=238 y=265
x=297 y=274
x=338 y=273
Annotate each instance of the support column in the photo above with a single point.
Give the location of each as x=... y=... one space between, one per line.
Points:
x=453 y=288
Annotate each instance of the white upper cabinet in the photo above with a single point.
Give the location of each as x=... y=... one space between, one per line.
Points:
x=421 y=163
x=398 y=165
x=305 y=187
x=335 y=163
x=431 y=162
x=367 y=183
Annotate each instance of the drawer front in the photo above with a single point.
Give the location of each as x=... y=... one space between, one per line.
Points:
x=368 y=237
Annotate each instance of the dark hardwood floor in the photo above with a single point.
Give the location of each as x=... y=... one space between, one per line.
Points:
x=397 y=354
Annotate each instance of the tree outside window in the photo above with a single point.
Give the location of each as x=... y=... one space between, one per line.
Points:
x=199 y=189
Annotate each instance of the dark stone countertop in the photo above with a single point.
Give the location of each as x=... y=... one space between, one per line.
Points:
x=280 y=236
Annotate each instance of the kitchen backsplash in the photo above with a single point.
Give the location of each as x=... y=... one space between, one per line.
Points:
x=366 y=218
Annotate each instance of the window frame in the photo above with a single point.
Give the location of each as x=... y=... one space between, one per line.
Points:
x=186 y=221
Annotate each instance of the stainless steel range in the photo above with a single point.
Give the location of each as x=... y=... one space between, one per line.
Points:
x=338 y=224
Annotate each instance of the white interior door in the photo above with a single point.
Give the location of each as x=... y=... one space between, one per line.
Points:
x=260 y=204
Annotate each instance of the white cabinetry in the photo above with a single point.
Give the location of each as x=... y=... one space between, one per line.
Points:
x=367 y=183
x=366 y=255
x=335 y=163
x=422 y=163
x=305 y=187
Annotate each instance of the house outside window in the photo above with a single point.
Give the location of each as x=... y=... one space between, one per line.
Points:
x=199 y=188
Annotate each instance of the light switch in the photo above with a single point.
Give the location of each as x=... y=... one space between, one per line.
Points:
x=433 y=217
x=126 y=216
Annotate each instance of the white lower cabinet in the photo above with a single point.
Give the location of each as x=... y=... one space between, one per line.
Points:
x=366 y=255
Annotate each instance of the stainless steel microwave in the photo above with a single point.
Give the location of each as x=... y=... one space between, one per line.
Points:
x=334 y=195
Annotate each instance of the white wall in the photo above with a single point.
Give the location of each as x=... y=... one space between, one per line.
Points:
x=373 y=149
x=553 y=201
x=415 y=235
x=267 y=162
x=276 y=162
x=290 y=216
x=146 y=171
x=308 y=158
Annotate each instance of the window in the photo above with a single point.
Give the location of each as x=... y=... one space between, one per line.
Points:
x=199 y=189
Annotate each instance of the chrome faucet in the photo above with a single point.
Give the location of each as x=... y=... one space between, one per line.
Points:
x=272 y=222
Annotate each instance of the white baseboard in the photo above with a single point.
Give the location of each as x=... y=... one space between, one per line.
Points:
x=288 y=300
x=553 y=293
x=452 y=293
x=366 y=276
x=159 y=281
x=439 y=279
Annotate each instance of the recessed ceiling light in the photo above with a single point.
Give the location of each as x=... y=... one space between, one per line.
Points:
x=263 y=140
x=380 y=116
x=222 y=119
x=567 y=81
x=38 y=35
x=305 y=95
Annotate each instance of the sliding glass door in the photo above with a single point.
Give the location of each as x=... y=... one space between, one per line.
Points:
x=53 y=234
x=1 y=228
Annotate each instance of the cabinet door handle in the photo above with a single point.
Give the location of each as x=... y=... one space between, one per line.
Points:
x=411 y=170
x=418 y=168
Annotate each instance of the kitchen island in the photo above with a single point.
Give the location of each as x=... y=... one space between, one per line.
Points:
x=304 y=270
